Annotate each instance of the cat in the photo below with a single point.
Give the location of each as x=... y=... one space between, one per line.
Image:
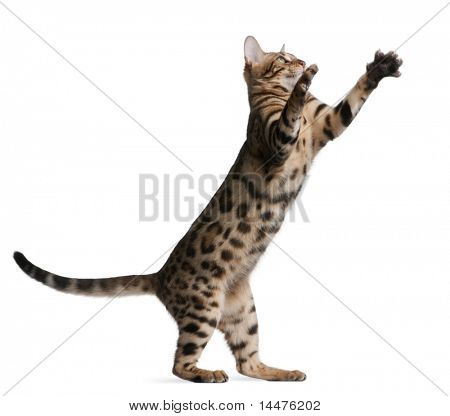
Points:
x=205 y=282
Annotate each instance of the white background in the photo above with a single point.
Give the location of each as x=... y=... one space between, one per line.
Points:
x=377 y=200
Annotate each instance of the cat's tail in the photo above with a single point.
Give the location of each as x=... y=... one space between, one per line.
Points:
x=113 y=286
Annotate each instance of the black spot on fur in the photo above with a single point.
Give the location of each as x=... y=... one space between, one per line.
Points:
x=243 y=227
x=61 y=282
x=225 y=201
x=216 y=227
x=85 y=284
x=206 y=247
x=190 y=348
x=251 y=188
x=205 y=265
x=294 y=174
x=191 y=327
x=239 y=346
x=39 y=274
x=283 y=198
x=235 y=242
x=195 y=299
x=242 y=210
x=227 y=255
x=207 y=293
x=188 y=267
x=193 y=236
x=260 y=235
x=253 y=329
x=328 y=133
x=201 y=319
x=227 y=232
x=190 y=251
x=319 y=108
x=260 y=248
x=346 y=114
x=216 y=270
x=267 y=216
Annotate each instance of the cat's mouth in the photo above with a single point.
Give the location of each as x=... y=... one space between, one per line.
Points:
x=297 y=68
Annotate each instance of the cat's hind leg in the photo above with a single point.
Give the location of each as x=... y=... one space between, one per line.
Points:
x=240 y=326
x=195 y=330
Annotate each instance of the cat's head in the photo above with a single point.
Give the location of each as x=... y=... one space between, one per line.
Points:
x=271 y=68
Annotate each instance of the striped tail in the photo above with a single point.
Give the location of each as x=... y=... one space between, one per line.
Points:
x=113 y=286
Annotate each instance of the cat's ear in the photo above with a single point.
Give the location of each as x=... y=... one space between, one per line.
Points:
x=253 y=52
x=282 y=48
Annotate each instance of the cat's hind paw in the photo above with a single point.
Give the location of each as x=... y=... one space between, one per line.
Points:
x=198 y=375
x=265 y=372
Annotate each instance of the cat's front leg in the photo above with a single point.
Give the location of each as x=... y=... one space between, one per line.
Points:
x=283 y=133
x=329 y=122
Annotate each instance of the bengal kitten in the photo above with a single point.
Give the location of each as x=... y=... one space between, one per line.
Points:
x=205 y=282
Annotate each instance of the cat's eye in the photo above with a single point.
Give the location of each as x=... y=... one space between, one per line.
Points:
x=281 y=59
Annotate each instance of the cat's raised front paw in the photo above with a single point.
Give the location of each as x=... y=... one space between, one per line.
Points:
x=305 y=80
x=383 y=65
